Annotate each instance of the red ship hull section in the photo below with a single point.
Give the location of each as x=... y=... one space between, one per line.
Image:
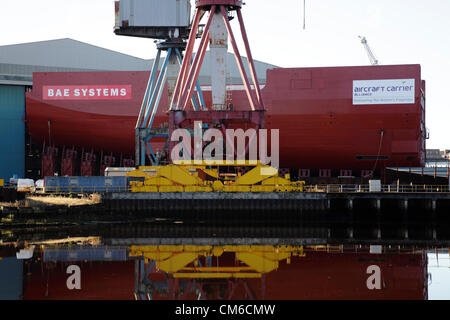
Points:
x=312 y=107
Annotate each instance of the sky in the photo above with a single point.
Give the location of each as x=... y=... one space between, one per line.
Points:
x=398 y=31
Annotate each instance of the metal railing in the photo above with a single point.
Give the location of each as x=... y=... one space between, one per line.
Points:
x=330 y=188
x=441 y=169
x=76 y=189
x=346 y=188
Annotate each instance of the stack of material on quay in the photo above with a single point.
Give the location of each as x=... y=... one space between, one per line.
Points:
x=31 y=201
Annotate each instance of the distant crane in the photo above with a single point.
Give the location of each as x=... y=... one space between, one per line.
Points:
x=372 y=58
x=304 y=14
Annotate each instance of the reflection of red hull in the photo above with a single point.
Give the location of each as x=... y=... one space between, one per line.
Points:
x=316 y=276
x=99 y=281
x=343 y=276
x=312 y=107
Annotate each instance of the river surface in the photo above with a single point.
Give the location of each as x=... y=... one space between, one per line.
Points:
x=176 y=261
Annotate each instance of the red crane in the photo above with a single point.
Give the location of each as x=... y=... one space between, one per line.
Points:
x=219 y=115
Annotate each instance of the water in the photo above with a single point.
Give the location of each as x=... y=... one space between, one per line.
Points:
x=162 y=258
x=218 y=268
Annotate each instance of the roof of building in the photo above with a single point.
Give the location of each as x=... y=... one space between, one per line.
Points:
x=19 y=61
x=69 y=53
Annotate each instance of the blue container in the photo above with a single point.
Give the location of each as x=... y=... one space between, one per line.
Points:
x=85 y=184
x=12 y=131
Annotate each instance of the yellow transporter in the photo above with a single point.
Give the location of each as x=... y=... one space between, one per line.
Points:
x=206 y=177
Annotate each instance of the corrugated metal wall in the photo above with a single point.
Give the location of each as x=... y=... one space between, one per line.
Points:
x=155 y=13
x=12 y=131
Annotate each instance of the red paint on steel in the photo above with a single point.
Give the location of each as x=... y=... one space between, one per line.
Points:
x=49 y=161
x=106 y=161
x=202 y=51
x=312 y=107
x=250 y=61
x=68 y=162
x=208 y=3
x=188 y=87
x=186 y=62
x=88 y=160
x=239 y=62
x=89 y=92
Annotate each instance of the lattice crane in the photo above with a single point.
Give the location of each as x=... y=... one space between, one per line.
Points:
x=370 y=54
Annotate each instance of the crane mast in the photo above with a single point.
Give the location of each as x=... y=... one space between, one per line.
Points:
x=370 y=54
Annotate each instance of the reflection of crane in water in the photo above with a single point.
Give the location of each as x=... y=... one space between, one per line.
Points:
x=203 y=272
x=372 y=58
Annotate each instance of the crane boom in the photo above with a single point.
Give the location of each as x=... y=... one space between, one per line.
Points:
x=372 y=58
x=304 y=14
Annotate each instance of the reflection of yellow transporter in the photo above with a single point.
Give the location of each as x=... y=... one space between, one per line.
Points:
x=190 y=176
x=182 y=261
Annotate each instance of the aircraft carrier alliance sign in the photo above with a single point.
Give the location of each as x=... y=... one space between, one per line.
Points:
x=393 y=91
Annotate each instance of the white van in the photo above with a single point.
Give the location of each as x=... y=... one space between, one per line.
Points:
x=25 y=185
